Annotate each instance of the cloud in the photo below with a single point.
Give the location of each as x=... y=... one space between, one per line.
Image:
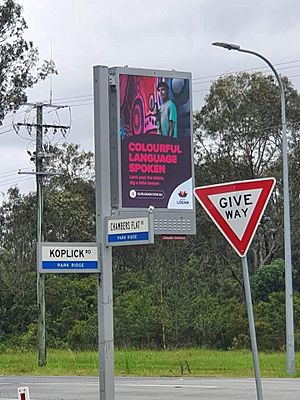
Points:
x=152 y=34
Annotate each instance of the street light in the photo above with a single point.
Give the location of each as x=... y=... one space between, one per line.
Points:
x=290 y=346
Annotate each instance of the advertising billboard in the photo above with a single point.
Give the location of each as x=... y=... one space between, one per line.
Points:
x=151 y=143
x=155 y=134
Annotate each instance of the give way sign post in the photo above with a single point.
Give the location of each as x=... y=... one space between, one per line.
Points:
x=237 y=208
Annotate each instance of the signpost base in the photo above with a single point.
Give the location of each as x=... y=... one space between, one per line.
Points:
x=252 y=328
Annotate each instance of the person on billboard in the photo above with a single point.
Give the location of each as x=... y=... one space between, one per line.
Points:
x=167 y=123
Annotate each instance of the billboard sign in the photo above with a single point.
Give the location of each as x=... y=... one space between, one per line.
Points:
x=155 y=130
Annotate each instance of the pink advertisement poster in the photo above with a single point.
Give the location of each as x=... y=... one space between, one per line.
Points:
x=155 y=135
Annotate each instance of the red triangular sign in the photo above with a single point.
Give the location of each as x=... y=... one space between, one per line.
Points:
x=236 y=208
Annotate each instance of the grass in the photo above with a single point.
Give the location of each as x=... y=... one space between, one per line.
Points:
x=185 y=362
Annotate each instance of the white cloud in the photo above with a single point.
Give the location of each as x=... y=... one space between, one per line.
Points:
x=164 y=35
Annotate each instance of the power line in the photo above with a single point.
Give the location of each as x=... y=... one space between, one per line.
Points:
x=81 y=100
x=7 y=131
x=5 y=176
x=233 y=73
x=13 y=182
x=194 y=79
x=78 y=100
x=80 y=105
x=248 y=69
x=8 y=171
x=10 y=115
x=73 y=97
x=84 y=97
x=201 y=90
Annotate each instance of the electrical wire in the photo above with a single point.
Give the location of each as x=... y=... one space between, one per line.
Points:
x=72 y=97
x=7 y=131
x=232 y=73
x=78 y=104
x=81 y=105
x=11 y=170
x=202 y=77
x=81 y=100
x=14 y=182
x=4 y=177
x=248 y=69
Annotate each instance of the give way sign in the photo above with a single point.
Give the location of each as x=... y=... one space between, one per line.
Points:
x=236 y=208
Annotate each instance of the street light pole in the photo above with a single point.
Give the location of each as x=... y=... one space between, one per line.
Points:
x=290 y=341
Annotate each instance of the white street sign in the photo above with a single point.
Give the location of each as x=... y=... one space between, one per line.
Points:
x=130 y=231
x=69 y=257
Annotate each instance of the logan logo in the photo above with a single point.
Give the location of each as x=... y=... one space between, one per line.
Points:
x=182 y=194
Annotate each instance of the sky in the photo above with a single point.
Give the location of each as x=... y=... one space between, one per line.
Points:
x=167 y=35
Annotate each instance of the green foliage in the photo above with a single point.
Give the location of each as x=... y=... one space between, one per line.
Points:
x=270 y=322
x=83 y=335
x=28 y=340
x=18 y=59
x=172 y=294
x=268 y=279
x=218 y=322
x=75 y=166
x=296 y=303
x=135 y=312
x=238 y=136
x=70 y=305
x=69 y=200
x=17 y=260
x=241 y=121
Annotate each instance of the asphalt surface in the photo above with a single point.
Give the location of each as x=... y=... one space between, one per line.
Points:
x=86 y=388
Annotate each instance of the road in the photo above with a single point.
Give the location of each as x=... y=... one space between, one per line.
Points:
x=86 y=388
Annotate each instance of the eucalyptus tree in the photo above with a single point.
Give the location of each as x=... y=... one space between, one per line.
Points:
x=238 y=136
x=19 y=67
x=69 y=215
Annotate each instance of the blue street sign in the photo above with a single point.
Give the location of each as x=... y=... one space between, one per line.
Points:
x=69 y=265
x=128 y=237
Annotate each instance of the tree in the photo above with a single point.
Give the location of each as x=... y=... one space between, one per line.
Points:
x=18 y=59
x=241 y=120
x=69 y=198
x=72 y=164
x=238 y=136
x=268 y=279
x=69 y=215
x=17 y=254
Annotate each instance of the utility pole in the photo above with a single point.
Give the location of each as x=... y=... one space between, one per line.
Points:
x=40 y=174
x=39 y=237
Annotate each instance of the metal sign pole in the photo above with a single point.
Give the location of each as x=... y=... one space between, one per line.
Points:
x=252 y=328
x=103 y=209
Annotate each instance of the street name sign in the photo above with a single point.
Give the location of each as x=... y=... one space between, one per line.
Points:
x=69 y=257
x=236 y=208
x=129 y=231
